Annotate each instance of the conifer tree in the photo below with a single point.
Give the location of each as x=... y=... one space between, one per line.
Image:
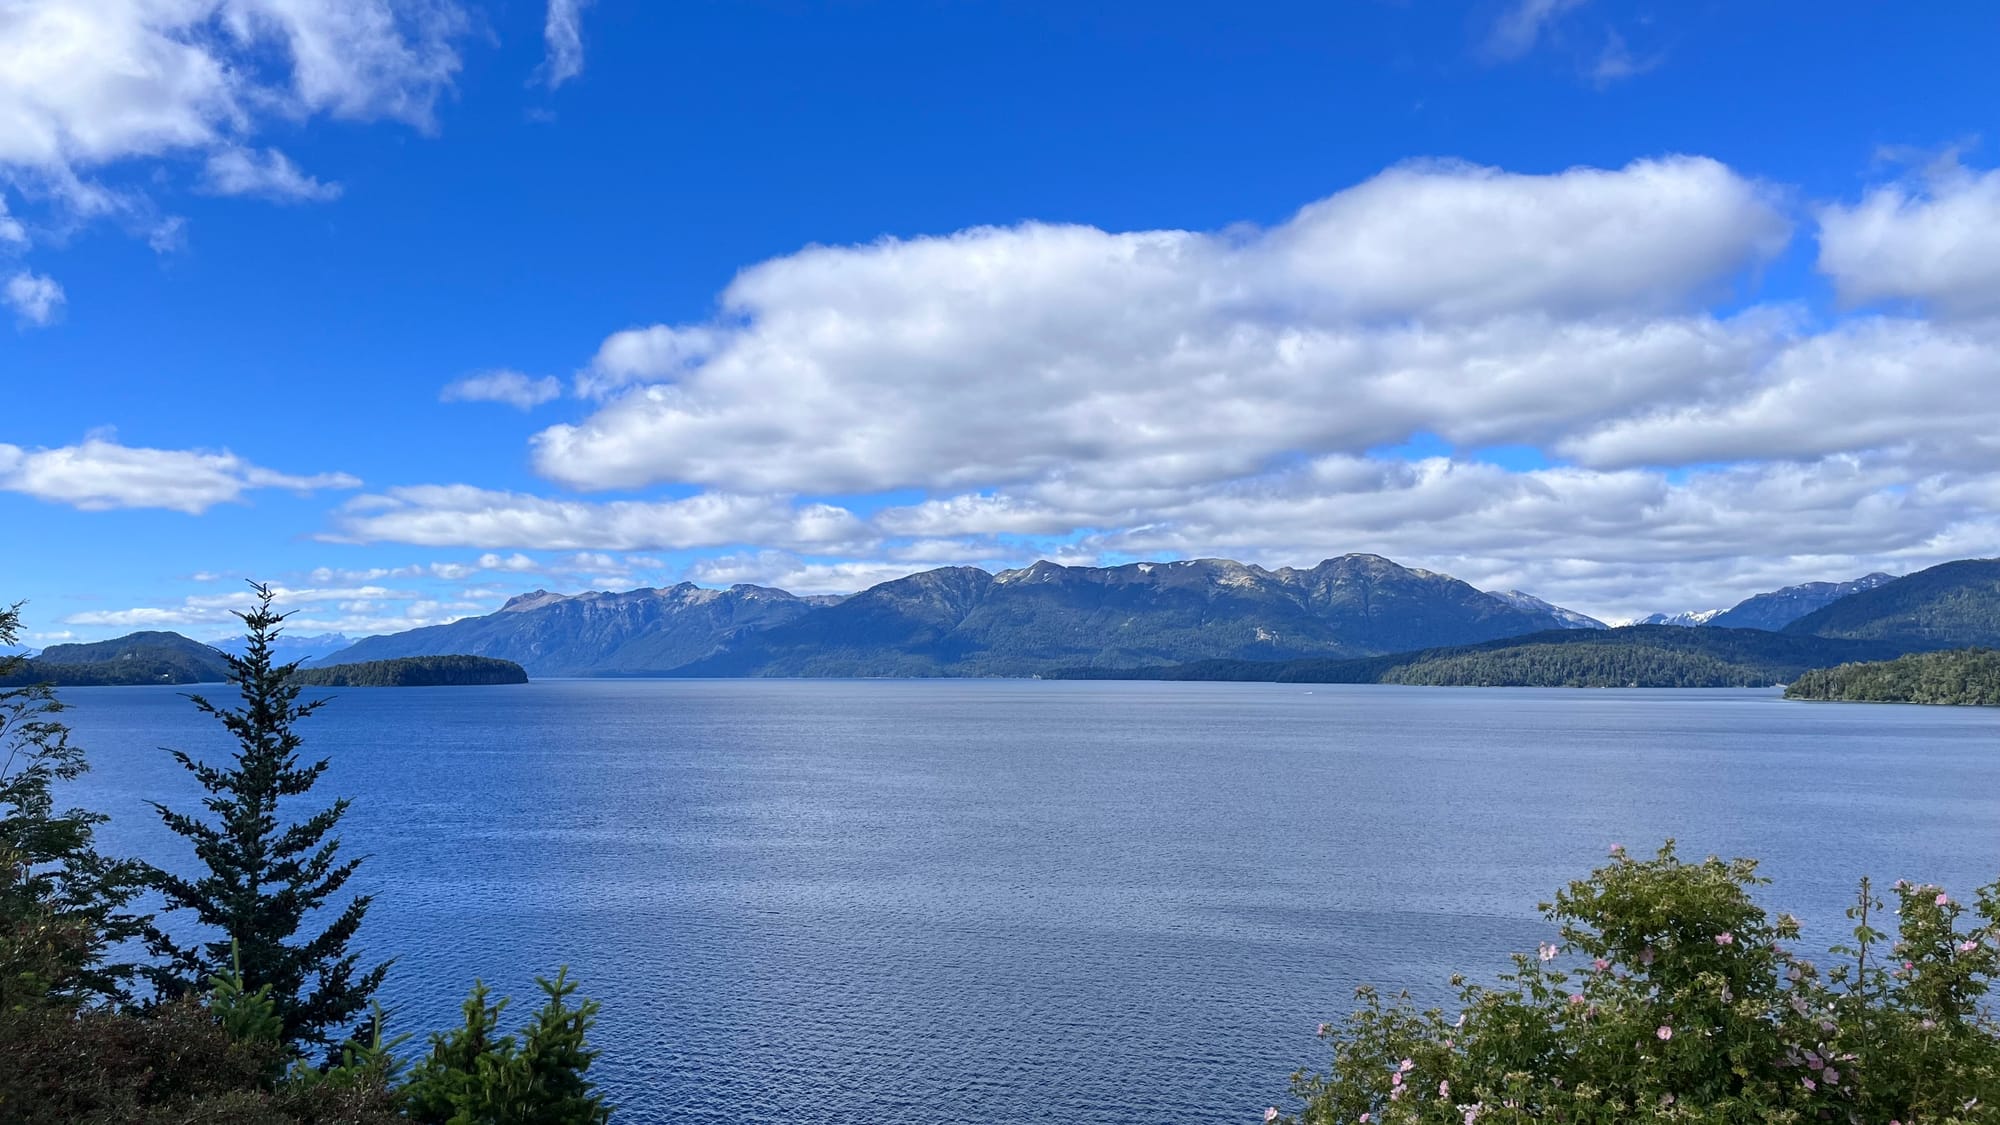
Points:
x=474 y=1074
x=62 y=904
x=266 y=881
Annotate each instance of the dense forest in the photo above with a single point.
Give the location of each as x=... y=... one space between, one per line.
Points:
x=414 y=671
x=1968 y=677
x=1632 y=656
x=141 y=658
x=1581 y=666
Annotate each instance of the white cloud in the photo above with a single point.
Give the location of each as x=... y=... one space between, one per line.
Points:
x=1523 y=24
x=90 y=88
x=461 y=515
x=1924 y=390
x=99 y=474
x=1616 y=62
x=563 y=31
x=509 y=387
x=11 y=230
x=580 y=564
x=35 y=299
x=1061 y=391
x=1934 y=241
x=646 y=355
x=1615 y=543
x=315 y=611
x=1477 y=304
x=787 y=571
x=269 y=173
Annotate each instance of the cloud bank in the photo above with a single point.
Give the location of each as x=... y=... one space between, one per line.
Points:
x=98 y=474
x=1556 y=382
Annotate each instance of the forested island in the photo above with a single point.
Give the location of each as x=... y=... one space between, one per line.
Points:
x=415 y=671
x=1964 y=677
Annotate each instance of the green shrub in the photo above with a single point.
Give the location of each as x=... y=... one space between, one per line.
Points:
x=474 y=1077
x=1671 y=996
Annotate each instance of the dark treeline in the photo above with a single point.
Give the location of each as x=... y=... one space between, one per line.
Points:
x=125 y=673
x=1632 y=656
x=1581 y=666
x=1965 y=676
x=414 y=671
x=225 y=990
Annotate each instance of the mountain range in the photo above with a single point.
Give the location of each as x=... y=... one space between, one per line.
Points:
x=963 y=621
x=1773 y=610
x=288 y=649
x=1685 y=619
x=1049 y=619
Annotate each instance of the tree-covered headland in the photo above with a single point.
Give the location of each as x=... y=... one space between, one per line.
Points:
x=1967 y=677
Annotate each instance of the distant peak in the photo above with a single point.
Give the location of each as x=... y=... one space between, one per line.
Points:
x=535 y=600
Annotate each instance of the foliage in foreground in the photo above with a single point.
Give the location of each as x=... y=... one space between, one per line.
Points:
x=1968 y=677
x=266 y=880
x=221 y=1059
x=63 y=906
x=77 y=1047
x=1672 y=996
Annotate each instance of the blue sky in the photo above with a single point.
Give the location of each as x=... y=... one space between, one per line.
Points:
x=1631 y=306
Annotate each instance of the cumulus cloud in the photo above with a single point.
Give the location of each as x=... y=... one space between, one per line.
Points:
x=462 y=515
x=1935 y=241
x=853 y=413
x=563 y=32
x=1475 y=303
x=581 y=564
x=356 y=613
x=787 y=571
x=269 y=174
x=83 y=85
x=34 y=298
x=100 y=101
x=1923 y=390
x=99 y=474
x=509 y=387
x=1613 y=543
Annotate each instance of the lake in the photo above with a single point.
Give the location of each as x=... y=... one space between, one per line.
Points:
x=999 y=902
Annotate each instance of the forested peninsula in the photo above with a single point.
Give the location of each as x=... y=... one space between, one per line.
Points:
x=1638 y=656
x=415 y=671
x=1963 y=677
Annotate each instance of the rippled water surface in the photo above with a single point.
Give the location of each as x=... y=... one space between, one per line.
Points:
x=1005 y=902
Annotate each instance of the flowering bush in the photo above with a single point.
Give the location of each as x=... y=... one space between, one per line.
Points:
x=1671 y=996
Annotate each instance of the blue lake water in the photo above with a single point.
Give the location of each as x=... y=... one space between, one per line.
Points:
x=1000 y=902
